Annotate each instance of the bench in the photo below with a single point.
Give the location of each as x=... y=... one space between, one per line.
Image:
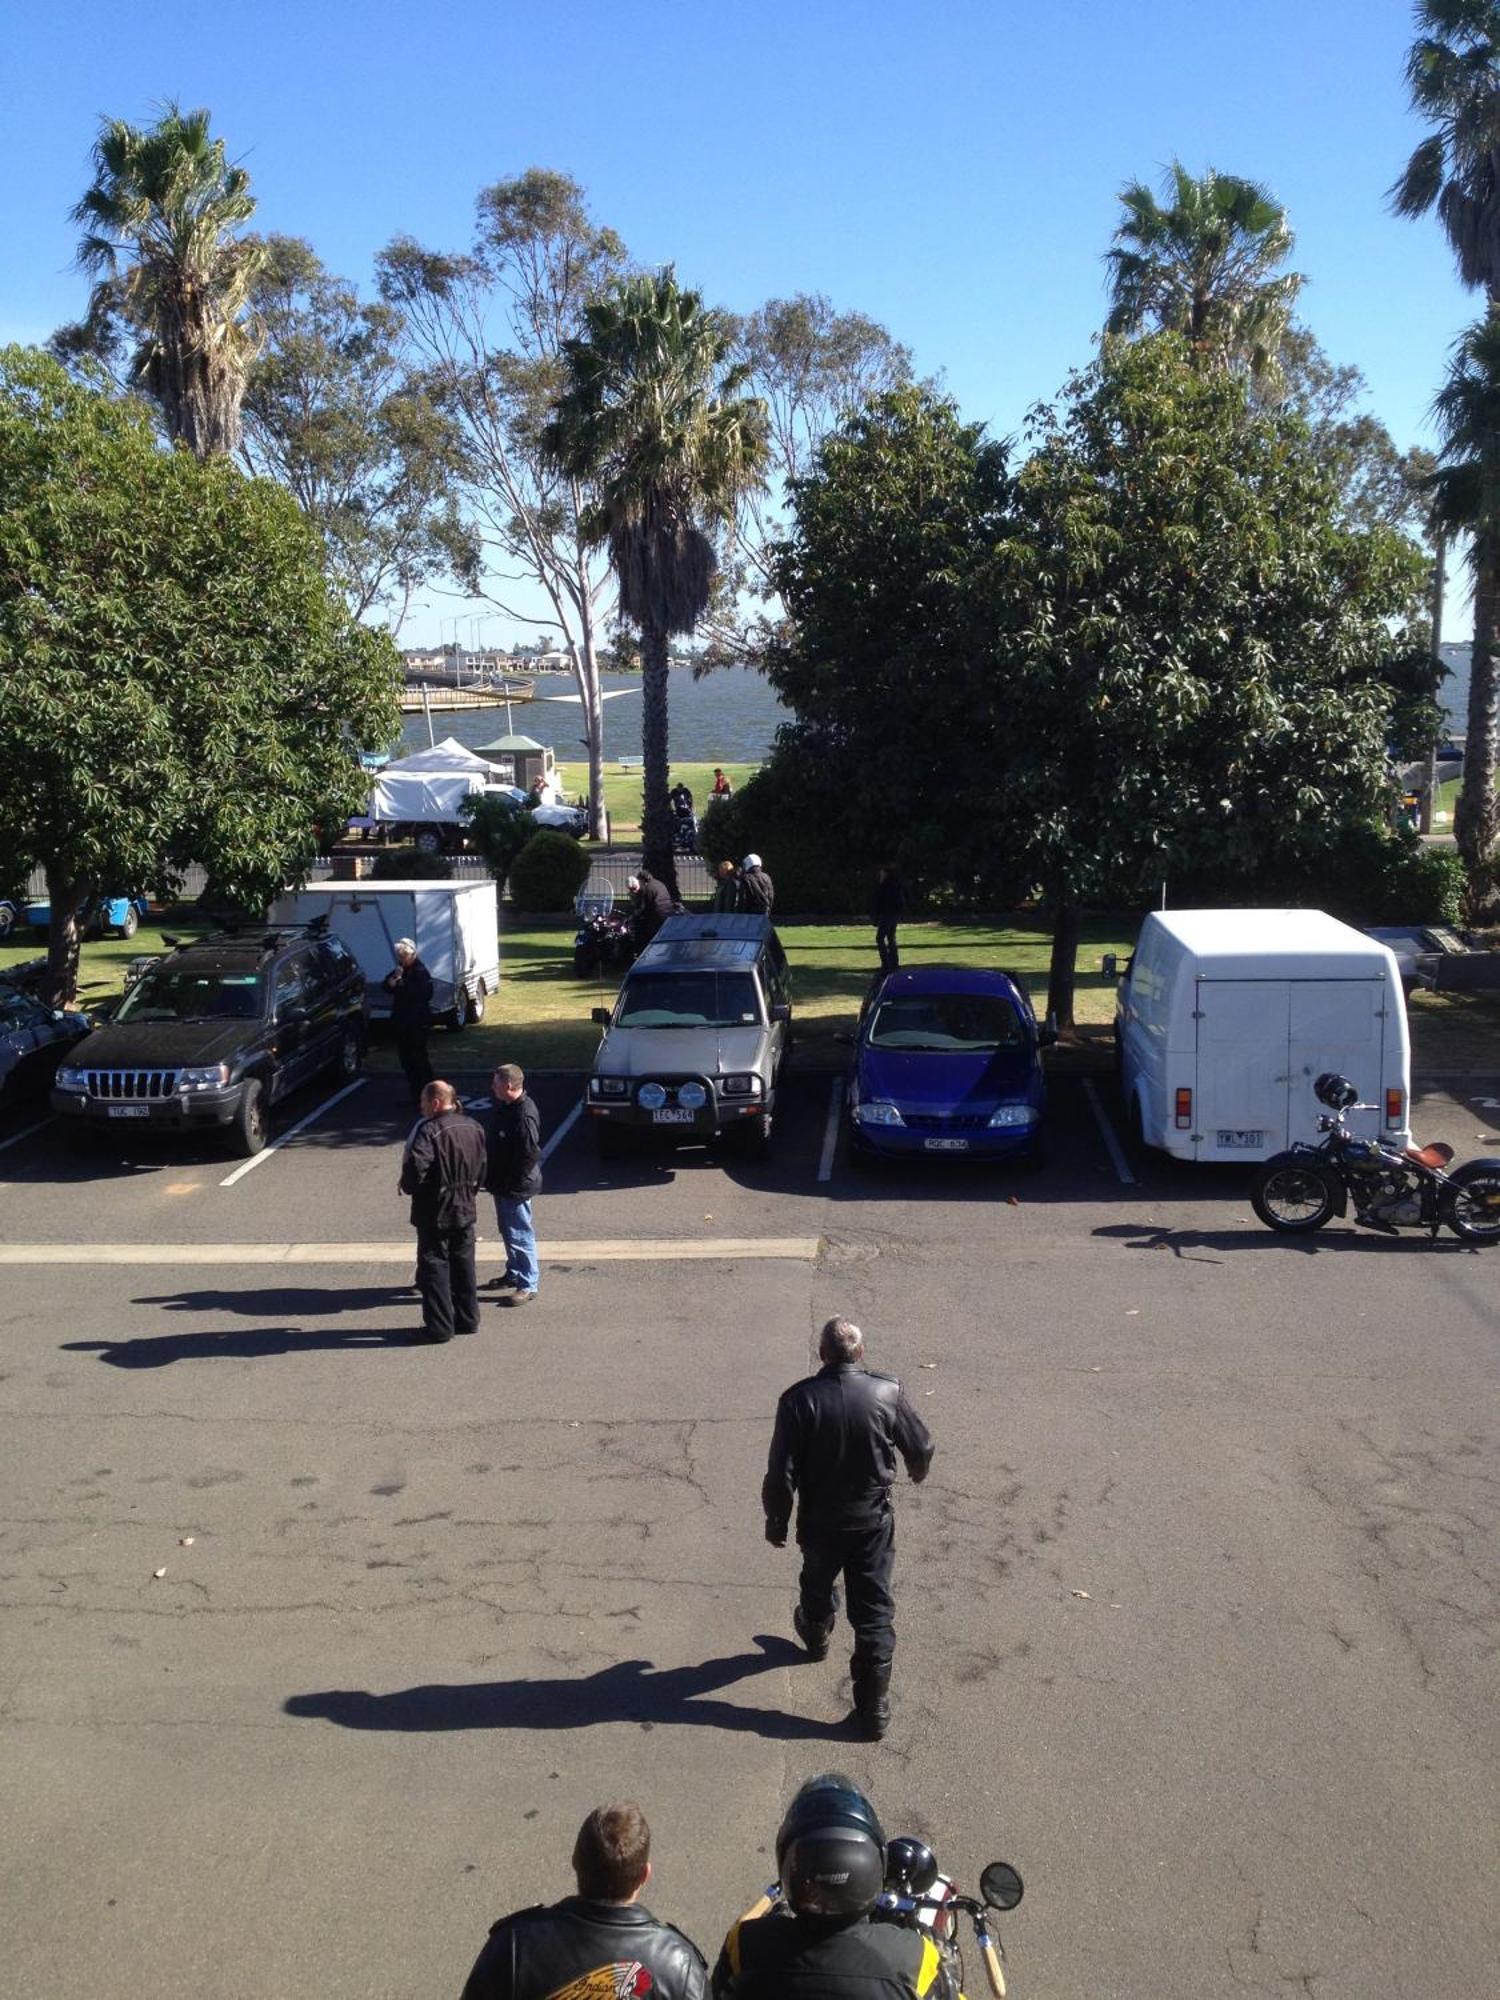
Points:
x=631 y=763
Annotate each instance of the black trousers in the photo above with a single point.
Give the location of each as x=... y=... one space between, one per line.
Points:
x=885 y=943
x=446 y=1279
x=411 y=1053
x=866 y=1559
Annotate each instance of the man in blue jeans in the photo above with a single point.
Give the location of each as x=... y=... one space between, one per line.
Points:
x=513 y=1132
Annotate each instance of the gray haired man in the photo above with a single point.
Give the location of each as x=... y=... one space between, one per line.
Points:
x=837 y=1438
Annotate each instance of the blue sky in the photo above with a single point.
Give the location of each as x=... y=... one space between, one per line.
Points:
x=949 y=168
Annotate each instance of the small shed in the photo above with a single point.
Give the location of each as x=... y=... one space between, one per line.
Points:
x=529 y=759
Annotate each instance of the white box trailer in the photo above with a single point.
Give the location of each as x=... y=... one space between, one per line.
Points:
x=455 y=926
x=1227 y=1018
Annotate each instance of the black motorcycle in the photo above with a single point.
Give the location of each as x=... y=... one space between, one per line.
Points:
x=1391 y=1187
x=604 y=943
x=684 y=831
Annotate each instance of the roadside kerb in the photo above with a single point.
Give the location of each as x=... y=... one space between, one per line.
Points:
x=585 y=1250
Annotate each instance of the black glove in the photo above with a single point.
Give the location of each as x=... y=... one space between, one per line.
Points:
x=776 y=1534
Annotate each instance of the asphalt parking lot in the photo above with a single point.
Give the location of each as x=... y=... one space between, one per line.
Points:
x=1197 y=1614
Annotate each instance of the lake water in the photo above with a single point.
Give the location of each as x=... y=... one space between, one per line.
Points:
x=729 y=716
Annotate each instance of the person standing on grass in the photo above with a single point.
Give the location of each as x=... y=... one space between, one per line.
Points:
x=886 y=913
x=443 y=1169
x=410 y=988
x=726 y=889
x=757 y=891
x=513 y=1138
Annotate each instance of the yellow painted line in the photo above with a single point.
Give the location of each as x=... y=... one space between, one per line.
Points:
x=584 y=1250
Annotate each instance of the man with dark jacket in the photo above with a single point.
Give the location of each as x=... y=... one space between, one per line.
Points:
x=837 y=1438
x=602 y=1941
x=757 y=891
x=410 y=988
x=513 y=1135
x=886 y=913
x=443 y=1170
x=651 y=906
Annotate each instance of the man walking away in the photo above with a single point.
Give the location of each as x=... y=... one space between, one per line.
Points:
x=410 y=988
x=513 y=1134
x=835 y=1445
x=757 y=891
x=726 y=889
x=443 y=1171
x=602 y=1941
x=887 y=914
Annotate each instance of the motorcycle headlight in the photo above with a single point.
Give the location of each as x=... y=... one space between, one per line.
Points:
x=70 y=1079
x=609 y=1086
x=691 y=1096
x=878 y=1111
x=212 y=1076
x=651 y=1096
x=740 y=1086
x=1013 y=1114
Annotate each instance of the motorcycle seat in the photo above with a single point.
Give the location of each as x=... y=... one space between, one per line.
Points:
x=1436 y=1155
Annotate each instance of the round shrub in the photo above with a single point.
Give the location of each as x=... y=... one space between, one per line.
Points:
x=548 y=872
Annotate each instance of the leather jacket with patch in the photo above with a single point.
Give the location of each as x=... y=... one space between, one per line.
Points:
x=582 y=1950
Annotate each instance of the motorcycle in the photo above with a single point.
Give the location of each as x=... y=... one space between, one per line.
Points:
x=1391 y=1188
x=921 y=1899
x=604 y=942
x=685 y=832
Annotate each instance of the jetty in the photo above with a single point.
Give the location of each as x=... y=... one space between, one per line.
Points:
x=443 y=698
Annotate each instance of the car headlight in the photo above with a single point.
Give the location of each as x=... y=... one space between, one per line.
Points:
x=692 y=1096
x=609 y=1086
x=740 y=1086
x=878 y=1111
x=651 y=1097
x=213 y=1076
x=1013 y=1114
x=70 y=1079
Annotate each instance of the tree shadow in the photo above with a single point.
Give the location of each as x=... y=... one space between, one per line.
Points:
x=630 y=1691
x=239 y=1344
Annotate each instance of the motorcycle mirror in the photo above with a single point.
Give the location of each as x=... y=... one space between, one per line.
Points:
x=1001 y=1886
x=600 y=1015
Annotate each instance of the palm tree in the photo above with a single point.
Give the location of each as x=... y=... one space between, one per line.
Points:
x=1453 y=75
x=652 y=419
x=159 y=225
x=1205 y=265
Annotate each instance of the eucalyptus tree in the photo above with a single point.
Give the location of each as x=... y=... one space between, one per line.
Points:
x=1205 y=262
x=335 y=409
x=161 y=221
x=651 y=417
x=489 y=324
x=1453 y=76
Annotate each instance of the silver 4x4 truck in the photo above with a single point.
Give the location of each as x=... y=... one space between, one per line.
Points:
x=694 y=1045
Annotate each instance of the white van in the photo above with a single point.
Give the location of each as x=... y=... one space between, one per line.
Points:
x=453 y=924
x=1226 y=1019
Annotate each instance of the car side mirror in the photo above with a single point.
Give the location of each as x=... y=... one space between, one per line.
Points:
x=600 y=1016
x=291 y=1016
x=780 y=1011
x=1109 y=965
x=103 y=1010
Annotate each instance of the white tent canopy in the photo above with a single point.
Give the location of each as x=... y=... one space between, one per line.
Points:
x=449 y=755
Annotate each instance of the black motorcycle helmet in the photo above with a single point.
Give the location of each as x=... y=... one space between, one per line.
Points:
x=1336 y=1091
x=910 y=1866
x=830 y=1850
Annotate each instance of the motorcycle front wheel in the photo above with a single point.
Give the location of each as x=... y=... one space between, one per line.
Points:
x=1294 y=1197
x=1471 y=1205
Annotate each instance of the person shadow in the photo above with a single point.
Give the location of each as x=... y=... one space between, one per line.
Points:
x=630 y=1691
x=235 y=1344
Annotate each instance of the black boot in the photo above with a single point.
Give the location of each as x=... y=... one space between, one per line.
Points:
x=814 y=1638
x=872 y=1700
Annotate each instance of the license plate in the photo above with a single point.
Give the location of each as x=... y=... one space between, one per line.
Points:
x=129 y=1111
x=945 y=1145
x=673 y=1117
x=1242 y=1140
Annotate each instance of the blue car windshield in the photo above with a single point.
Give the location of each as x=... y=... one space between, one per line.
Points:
x=194 y=996
x=689 y=1000
x=947 y=1023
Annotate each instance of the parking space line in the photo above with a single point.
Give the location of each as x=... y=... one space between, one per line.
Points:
x=25 y=1133
x=1107 y=1133
x=562 y=1131
x=831 y=1130
x=257 y=1159
x=582 y=1250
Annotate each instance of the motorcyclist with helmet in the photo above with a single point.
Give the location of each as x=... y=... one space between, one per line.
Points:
x=831 y=1862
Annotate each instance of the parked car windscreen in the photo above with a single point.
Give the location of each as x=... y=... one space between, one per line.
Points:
x=967 y=1022
x=689 y=1000
x=170 y=995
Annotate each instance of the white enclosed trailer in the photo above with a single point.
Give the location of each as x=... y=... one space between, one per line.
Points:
x=1227 y=1018
x=453 y=924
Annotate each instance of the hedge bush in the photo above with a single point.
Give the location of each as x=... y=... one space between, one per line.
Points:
x=548 y=872
x=410 y=864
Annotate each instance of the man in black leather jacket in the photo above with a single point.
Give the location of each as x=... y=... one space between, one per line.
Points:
x=837 y=1438
x=603 y=1941
x=443 y=1169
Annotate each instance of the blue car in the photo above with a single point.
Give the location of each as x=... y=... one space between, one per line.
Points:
x=948 y=1060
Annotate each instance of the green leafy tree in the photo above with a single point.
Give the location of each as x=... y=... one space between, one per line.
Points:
x=1205 y=262
x=181 y=683
x=1453 y=75
x=651 y=417
x=335 y=409
x=160 y=236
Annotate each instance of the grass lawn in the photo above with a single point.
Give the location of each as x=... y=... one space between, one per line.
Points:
x=101 y=969
x=622 y=790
